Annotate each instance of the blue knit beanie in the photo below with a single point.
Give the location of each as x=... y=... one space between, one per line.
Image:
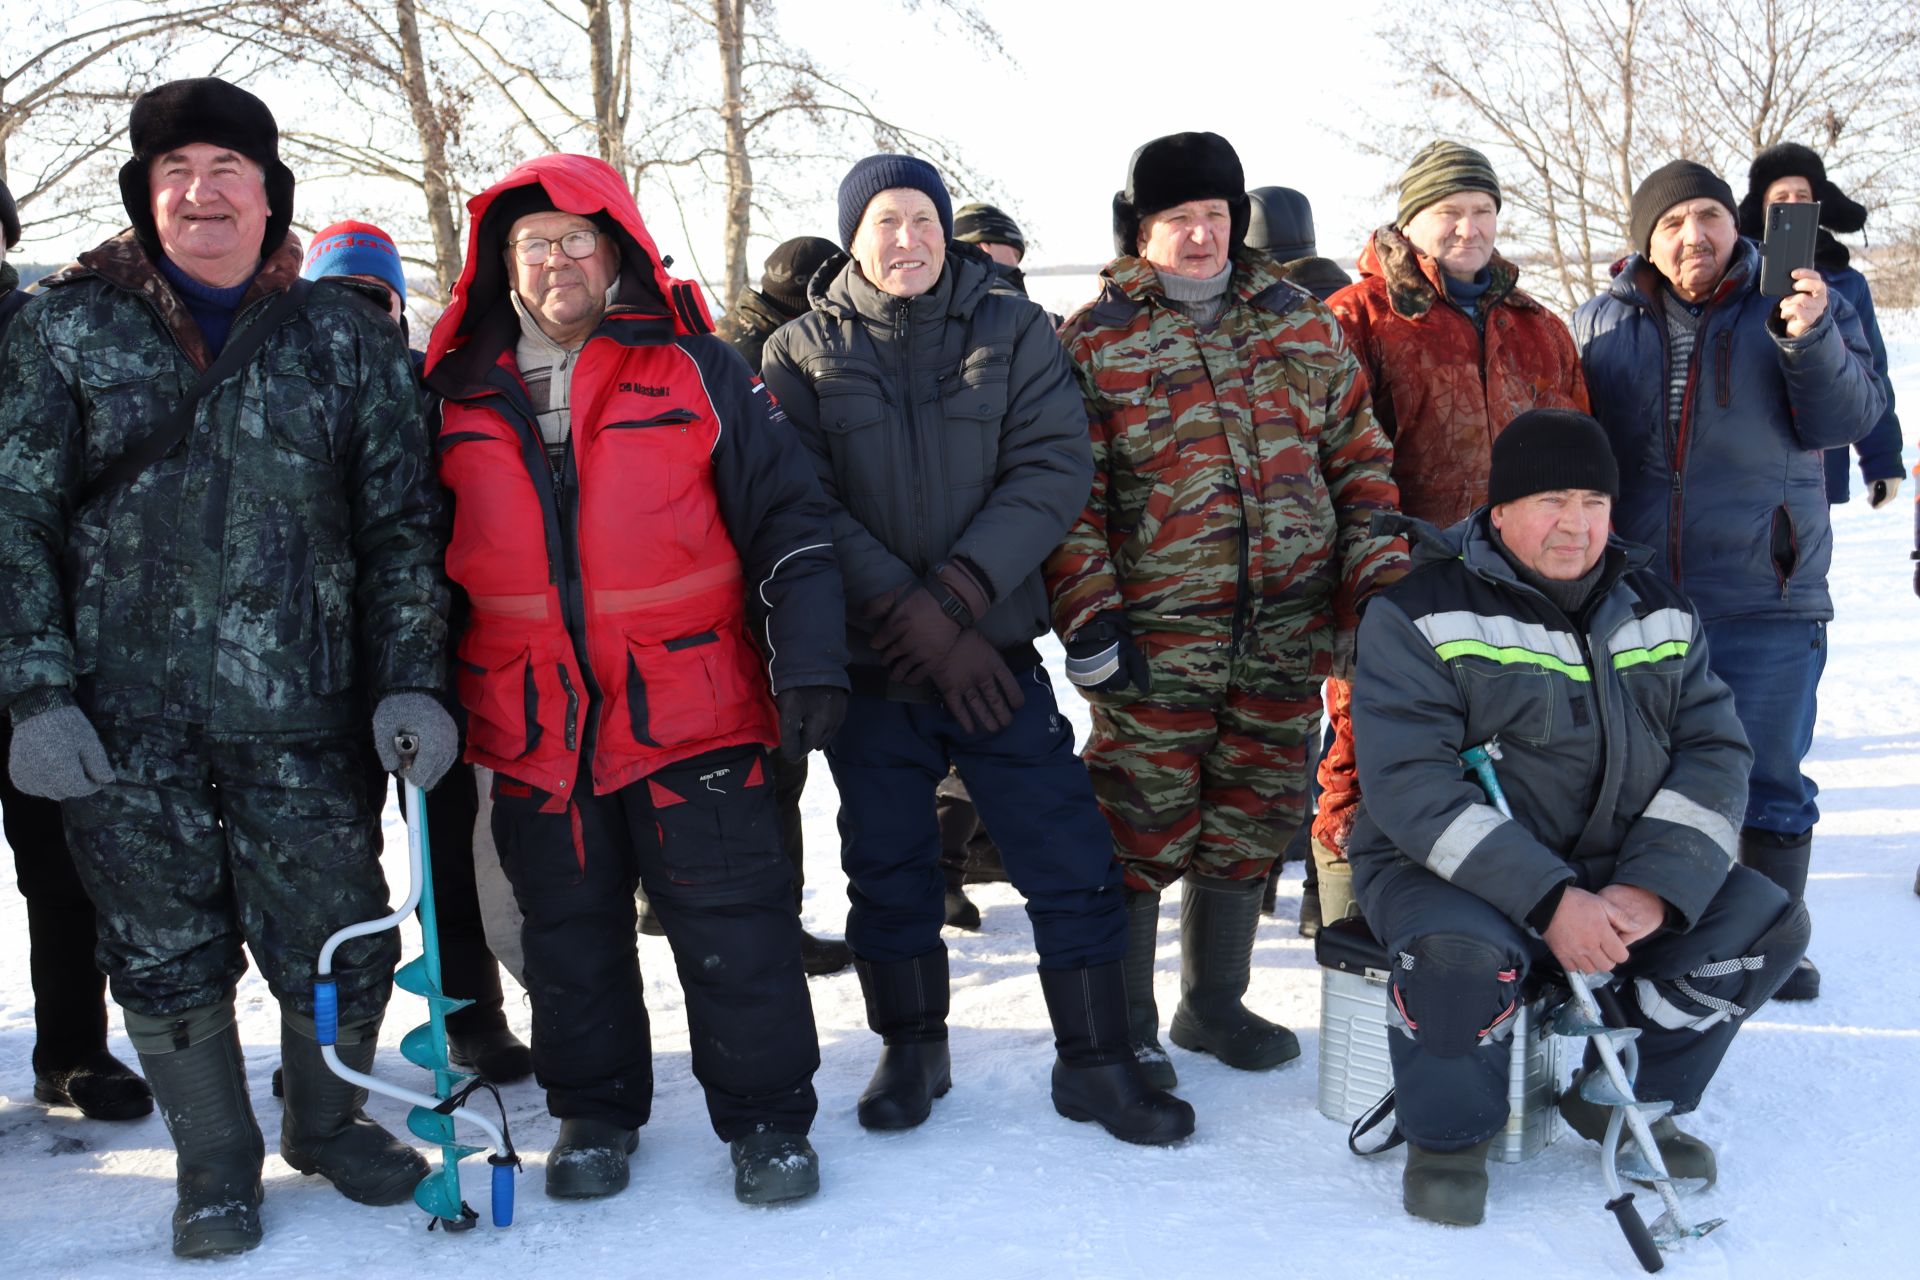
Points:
x=883 y=173
x=356 y=249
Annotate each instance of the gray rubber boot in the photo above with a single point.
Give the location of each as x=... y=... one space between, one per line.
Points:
x=322 y=1128
x=1143 y=1015
x=1687 y=1158
x=1785 y=859
x=199 y=1079
x=771 y=1167
x=589 y=1159
x=1448 y=1187
x=1217 y=920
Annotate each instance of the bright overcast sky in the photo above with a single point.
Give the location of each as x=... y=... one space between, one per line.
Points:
x=1095 y=79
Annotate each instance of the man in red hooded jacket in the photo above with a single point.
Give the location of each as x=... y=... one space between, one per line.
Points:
x=654 y=602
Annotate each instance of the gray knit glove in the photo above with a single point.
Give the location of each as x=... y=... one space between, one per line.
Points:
x=57 y=754
x=421 y=717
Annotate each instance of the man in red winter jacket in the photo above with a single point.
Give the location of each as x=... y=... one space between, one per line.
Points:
x=654 y=604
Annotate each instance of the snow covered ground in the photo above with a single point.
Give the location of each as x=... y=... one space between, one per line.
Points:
x=1813 y=1113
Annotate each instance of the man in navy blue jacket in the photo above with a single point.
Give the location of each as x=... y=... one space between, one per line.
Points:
x=1719 y=403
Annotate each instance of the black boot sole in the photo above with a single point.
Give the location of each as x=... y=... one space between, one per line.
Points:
x=1164 y=1135
x=884 y=1114
x=397 y=1189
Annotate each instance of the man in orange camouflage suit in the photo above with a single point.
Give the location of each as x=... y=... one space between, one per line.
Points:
x=1237 y=466
x=1453 y=352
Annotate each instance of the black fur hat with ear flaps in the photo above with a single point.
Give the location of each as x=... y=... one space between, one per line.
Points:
x=1173 y=170
x=210 y=110
x=1791 y=160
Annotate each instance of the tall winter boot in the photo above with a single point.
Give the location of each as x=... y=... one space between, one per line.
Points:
x=199 y=1078
x=322 y=1128
x=1309 y=926
x=1784 y=859
x=907 y=1002
x=479 y=1041
x=1446 y=1186
x=1143 y=1015
x=1217 y=920
x=1096 y=1076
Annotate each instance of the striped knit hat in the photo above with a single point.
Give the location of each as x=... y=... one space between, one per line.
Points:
x=1440 y=169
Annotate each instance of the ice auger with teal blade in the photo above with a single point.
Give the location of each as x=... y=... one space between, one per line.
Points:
x=1612 y=1085
x=432 y=1117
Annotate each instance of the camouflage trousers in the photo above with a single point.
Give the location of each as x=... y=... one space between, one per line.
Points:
x=1208 y=772
x=203 y=843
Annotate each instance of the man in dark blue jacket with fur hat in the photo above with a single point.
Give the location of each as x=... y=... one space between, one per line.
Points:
x=1720 y=404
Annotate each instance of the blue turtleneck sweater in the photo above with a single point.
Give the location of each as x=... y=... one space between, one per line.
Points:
x=212 y=309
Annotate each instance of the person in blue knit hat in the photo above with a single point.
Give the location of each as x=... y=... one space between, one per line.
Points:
x=364 y=252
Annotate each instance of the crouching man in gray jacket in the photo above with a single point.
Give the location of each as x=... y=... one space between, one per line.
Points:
x=1626 y=770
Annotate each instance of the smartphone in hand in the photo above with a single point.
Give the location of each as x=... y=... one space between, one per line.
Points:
x=1788 y=246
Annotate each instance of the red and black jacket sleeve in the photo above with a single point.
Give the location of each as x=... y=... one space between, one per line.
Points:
x=779 y=522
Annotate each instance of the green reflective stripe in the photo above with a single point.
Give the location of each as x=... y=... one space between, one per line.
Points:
x=1659 y=653
x=1511 y=657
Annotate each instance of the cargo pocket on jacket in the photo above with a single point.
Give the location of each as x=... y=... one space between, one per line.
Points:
x=333 y=631
x=502 y=702
x=852 y=411
x=973 y=405
x=676 y=689
x=1515 y=705
x=717 y=824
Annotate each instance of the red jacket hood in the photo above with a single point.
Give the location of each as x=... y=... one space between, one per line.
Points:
x=580 y=185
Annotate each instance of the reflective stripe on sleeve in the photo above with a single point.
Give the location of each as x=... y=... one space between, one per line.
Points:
x=1461 y=837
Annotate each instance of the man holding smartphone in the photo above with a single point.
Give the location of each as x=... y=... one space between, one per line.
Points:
x=1719 y=403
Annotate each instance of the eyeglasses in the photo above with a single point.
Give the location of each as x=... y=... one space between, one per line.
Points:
x=534 y=250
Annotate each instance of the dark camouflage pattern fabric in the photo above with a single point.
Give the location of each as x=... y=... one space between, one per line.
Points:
x=276 y=572
x=1235 y=471
x=1235 y=475
x=204 y=842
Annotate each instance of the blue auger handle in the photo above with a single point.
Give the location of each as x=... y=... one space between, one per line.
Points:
x=503 y=1171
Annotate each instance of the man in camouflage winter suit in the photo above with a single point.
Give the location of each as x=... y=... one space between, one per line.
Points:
x=195 y=660
x=1236 y=468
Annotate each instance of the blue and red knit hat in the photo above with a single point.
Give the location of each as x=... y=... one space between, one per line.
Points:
x=356 y=249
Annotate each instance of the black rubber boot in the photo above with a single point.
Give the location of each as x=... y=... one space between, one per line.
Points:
x=322 y=1128
x=1217 y=920
x=1449 y=1187
x=491 y=1052
x=589 y=1159
x=649 y=921
x=907 y=1006
x=1143 y=1015
x=771 y=1167
x=822 y=956
x=1096 y=1077
x=1784 y=859
x=102 y=1086
x=1270 y=896
x=1687 y=1158
x=199 y=1078
x=960 y=909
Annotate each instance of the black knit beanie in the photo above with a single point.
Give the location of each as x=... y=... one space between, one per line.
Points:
x=987 y=224
x=789 y=267
x=1280 y=223
x=875 y=174
x=1173 y=170
x=1673 y=183
x=182 y=112
x=1791 y=160
x=1547 y=449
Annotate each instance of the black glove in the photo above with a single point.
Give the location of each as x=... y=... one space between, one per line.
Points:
x=976 y=685
x=1102 y=656
x=809 y=716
